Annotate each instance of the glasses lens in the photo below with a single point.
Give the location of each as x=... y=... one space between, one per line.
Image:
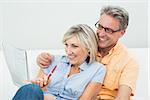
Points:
x=98 y=26
x=108 y=30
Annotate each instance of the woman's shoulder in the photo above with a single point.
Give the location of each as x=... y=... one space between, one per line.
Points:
x=98 y=65
x=98 y=71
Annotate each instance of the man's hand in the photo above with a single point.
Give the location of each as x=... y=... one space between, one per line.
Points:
x=44 y=59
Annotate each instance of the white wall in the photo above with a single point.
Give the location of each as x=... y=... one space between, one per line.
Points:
x=41 y=24
x=148 y=24
x=1 y=22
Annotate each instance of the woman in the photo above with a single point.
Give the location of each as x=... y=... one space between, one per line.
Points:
x=76 y=75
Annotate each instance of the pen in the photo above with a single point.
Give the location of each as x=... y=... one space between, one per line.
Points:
x=50 y=74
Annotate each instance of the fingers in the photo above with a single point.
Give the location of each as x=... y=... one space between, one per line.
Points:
x=38 y=81
x=44 y=59
x=45 y=79
x=46 y=56
x=42 y=82
x=43 y=64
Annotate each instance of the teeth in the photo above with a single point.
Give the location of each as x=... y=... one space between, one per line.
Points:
x=102 y=39
x=71 y=57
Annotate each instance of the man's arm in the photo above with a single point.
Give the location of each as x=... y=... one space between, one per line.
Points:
x=44 y=59
x=124 y=93
x=128 y=80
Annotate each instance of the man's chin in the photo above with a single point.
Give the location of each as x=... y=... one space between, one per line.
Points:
x=102 y=46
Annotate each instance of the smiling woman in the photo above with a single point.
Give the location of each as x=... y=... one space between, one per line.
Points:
x=76 y=53
x=87 y=41
x=79 y=66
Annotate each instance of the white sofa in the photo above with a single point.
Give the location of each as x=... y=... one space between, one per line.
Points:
x=8 y=89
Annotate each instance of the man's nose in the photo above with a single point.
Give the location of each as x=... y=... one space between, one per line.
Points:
x=101 y=32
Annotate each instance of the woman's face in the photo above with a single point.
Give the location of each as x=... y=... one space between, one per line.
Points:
x=75 y=52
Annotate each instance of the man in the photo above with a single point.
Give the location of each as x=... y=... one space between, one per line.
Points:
x=122 y=68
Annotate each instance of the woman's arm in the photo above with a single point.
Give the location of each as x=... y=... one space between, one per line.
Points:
x=91 y=91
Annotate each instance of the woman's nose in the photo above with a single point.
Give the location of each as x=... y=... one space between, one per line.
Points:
x=68 y=50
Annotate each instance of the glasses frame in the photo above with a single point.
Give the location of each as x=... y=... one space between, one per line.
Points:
x=105 y=28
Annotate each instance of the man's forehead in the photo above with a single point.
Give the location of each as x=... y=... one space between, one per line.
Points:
x=109 y=21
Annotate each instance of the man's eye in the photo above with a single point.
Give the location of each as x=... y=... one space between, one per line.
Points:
x=108 y=30
x=100 y=26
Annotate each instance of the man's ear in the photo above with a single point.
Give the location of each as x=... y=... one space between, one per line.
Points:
x=122 y=32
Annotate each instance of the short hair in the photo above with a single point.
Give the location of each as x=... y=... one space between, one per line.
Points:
x=87 y=38
x=118 y=13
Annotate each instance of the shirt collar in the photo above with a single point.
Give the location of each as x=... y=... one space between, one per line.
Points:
x=65 y=59
x=106 y=59
x=82 y=67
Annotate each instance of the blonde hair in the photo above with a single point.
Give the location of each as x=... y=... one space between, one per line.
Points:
x=87 y=38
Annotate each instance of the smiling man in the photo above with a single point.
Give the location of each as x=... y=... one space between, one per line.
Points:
x=122 y=67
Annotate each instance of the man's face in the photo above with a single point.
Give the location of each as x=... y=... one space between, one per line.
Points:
x=108 y=31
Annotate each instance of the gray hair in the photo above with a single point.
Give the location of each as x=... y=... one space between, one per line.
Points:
x=87 y=38
x=118 y=13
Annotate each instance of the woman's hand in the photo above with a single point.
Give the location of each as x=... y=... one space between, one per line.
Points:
x=44 y=59
x=41 y=80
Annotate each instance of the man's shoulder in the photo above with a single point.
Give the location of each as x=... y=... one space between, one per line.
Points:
x=124 y=52
x=121 y=49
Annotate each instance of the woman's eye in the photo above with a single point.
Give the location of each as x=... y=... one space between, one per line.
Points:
x=75 y=46
x=66 y=44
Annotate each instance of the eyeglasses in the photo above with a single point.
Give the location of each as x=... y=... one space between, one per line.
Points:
x=107 y=30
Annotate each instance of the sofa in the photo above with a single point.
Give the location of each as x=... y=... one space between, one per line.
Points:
x=8 y=89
